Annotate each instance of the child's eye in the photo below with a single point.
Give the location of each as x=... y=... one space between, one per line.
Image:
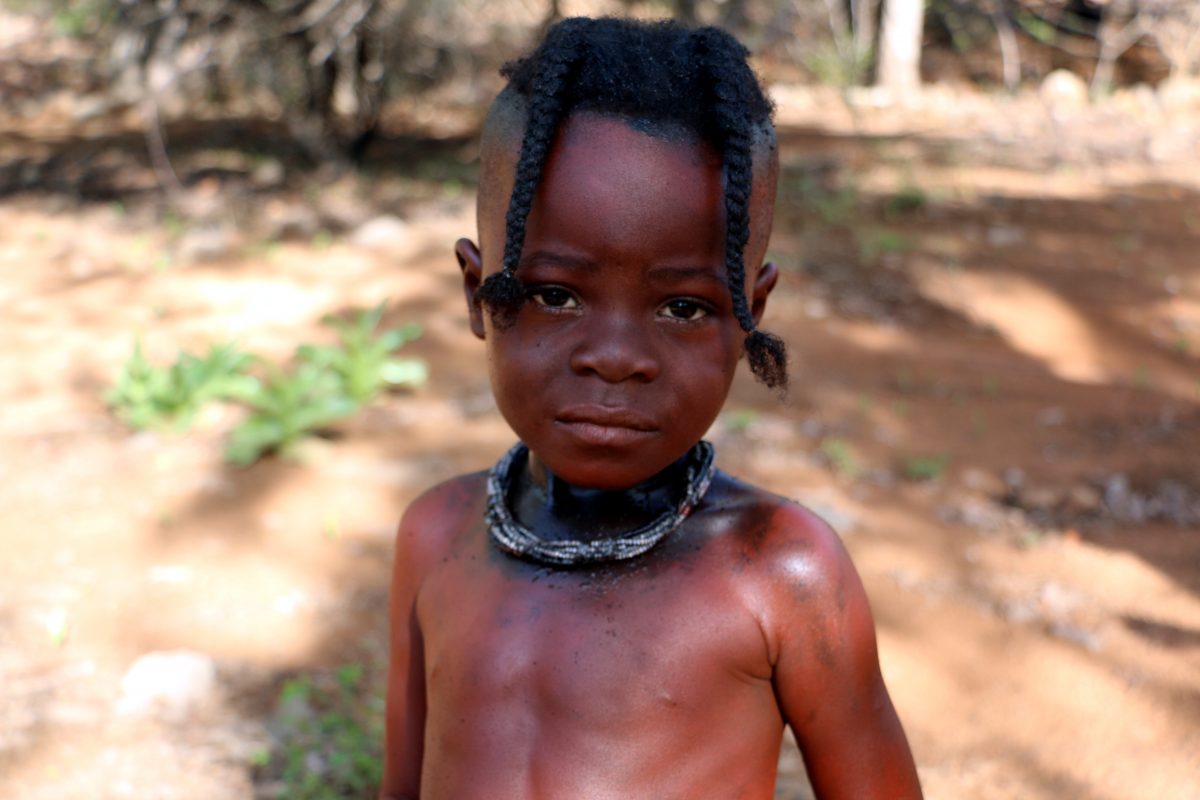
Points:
x=687 y=310
x=554 y=297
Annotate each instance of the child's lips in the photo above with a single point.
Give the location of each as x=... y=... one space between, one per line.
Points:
x=603 y=425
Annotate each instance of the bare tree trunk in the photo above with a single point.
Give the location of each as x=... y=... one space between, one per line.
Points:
x=862 y=22
x=1010 y=55
x=900 y=47
x=685 y=11
x=1115 y=39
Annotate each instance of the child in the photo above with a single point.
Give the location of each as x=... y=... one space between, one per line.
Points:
x=604 y=615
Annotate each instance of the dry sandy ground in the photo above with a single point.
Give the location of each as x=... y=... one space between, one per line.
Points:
x=1036 y=326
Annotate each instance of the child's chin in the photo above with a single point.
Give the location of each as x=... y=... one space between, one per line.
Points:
x=612 y=471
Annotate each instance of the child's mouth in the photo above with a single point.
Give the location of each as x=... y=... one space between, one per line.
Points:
x=606 y=426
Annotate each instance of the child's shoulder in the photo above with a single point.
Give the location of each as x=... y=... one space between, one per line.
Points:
x=440 y=513
x=786 y=546
x=769 y=523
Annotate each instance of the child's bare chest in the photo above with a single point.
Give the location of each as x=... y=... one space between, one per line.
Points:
x=610 y=647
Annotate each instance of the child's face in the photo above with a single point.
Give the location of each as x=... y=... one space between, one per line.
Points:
x=624 y=354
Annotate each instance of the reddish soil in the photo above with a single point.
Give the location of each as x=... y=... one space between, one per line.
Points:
x=996 y=401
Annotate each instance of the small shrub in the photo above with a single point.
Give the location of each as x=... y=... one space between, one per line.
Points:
x=362 y=359
x=328 y=738
x=909 y=200
x=840 y=67
x=876 y=242
x=739 y=421
x=833 y=205
x=145 y=396
x=325 y=383
x=288 y=407
x=925 y=468
x=840 y=456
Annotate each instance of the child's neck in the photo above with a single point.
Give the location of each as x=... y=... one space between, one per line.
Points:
x=556 y=510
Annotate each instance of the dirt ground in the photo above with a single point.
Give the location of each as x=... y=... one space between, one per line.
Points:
x=995 y=328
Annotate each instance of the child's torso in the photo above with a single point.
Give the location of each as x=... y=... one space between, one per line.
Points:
x=649 y=679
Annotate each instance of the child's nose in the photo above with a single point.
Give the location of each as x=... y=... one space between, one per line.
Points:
x=615 y=350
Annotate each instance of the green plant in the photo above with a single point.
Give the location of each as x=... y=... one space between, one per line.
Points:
x=328 y=738
x=840 y=67
x=910 y=199
x=146 y=396
x=833 y=204
x=925 y=468
x=288 y=406
x=323 y=385
x=740 y=420
x=840 y=456
x=875 y=242
x=362 y=359
x=1143 y=378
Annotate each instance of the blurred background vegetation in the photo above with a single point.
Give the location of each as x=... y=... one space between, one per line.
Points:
x=330 y=71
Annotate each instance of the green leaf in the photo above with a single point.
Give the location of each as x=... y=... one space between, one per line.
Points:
x=404 y=372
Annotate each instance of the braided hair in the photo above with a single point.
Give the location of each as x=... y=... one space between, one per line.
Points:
x=661 y=76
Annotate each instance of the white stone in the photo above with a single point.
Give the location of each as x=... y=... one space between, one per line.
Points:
x=385 y=232
x=171 y=684
x=1063 y=90
x=207 y=243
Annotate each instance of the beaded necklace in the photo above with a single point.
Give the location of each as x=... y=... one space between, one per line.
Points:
x=515 y=539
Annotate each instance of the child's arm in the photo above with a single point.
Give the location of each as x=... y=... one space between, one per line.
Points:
x=405 y=716
x=827 y=672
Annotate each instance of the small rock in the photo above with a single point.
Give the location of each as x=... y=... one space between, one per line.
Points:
x=1173 y=502
x=268 y=174
x=984 y=482
x=207 y=243
x=1088 y=640
x=173 y=684
x=1083 y=499
x=816 y=308
x=1051 y=417
x=1004 y=236
x=1018 y=611
x=976 y=514
x=812 y=428
x=284 y=221
x=1063 y=90
x=1041 y=498
x=1058 y=600
x=385 y=232
x=1179 y=93
x=1122 y=502
x=90 y=107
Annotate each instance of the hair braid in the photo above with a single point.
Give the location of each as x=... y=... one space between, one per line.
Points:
x=558 y=57
x=723 y=57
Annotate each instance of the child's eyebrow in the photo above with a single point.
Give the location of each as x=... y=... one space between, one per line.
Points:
x=667 y=274
x=553 y=259
x=660 y=274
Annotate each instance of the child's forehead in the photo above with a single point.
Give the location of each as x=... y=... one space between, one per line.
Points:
x=599 y=140
x=583 y=126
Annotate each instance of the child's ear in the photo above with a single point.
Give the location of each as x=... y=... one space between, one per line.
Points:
x=471 y=264
x=764 y=282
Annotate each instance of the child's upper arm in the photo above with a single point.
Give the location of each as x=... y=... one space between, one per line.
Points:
x=422 y=534
x=826 y=671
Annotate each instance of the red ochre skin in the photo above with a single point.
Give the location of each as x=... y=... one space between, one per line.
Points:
x=670 y=675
